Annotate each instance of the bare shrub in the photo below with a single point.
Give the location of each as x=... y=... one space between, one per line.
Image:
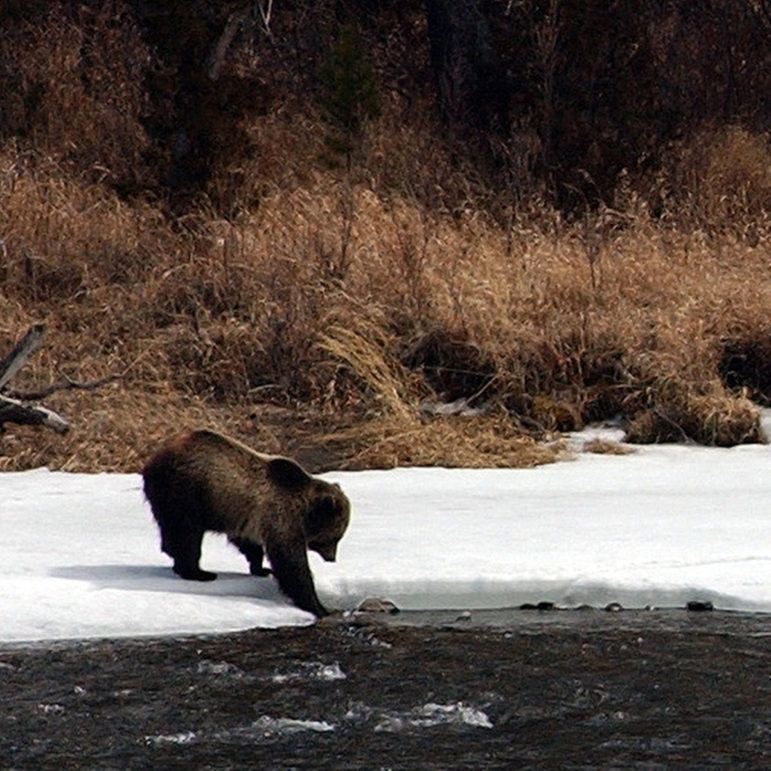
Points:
x=451 y=365
x=745 y=363
x=606 y=447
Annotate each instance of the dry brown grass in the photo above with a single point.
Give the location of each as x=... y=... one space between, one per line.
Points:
x=720 y=420
x=367 y=313
x=456 y=442
x=723 y=177
x=607 y=447
x=343 y=298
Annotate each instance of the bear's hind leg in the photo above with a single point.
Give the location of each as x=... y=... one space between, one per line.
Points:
x=254 y=555
x=185 y=550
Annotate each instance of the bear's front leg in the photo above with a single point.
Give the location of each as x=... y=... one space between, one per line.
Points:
x=291 y=569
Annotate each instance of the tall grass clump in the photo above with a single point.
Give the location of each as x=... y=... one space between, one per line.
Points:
x=723 y=179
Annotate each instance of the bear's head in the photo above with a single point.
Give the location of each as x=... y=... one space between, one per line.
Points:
x=327 y=512
x=327 y=519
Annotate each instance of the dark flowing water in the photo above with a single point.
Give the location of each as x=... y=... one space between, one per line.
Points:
x=561 y=689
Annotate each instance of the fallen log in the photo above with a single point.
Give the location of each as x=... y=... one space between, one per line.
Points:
x=15 y=410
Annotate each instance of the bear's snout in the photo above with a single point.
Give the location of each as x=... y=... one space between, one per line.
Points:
x=326 y=552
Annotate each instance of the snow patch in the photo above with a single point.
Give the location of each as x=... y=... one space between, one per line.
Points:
x=264 y=729
x=51 y=709
x=425 y=716
x=765 y=424
x=288 y=725
x=79 y=556
x=610 y=431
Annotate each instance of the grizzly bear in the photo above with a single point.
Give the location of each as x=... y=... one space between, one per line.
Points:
x=204 y=481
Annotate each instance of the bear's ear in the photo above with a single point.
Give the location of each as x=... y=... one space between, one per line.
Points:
x=287 y=474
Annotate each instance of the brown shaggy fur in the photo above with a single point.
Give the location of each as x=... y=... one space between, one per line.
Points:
x=204 y=481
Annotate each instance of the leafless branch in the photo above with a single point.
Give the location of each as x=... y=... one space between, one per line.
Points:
x=265 y=9
x=65 y=384
x=218 y=53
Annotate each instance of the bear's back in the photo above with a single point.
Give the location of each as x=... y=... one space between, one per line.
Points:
x=231 y=476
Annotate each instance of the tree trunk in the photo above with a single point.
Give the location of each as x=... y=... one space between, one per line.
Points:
x=461 y=57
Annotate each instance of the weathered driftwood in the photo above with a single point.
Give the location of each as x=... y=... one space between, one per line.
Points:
x=14 y=410
x=15 y=405
x=20 y=353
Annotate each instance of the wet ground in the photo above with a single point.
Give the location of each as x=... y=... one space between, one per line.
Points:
x=517 y=689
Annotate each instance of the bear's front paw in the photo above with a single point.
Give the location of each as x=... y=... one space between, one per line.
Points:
x=260 y=571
